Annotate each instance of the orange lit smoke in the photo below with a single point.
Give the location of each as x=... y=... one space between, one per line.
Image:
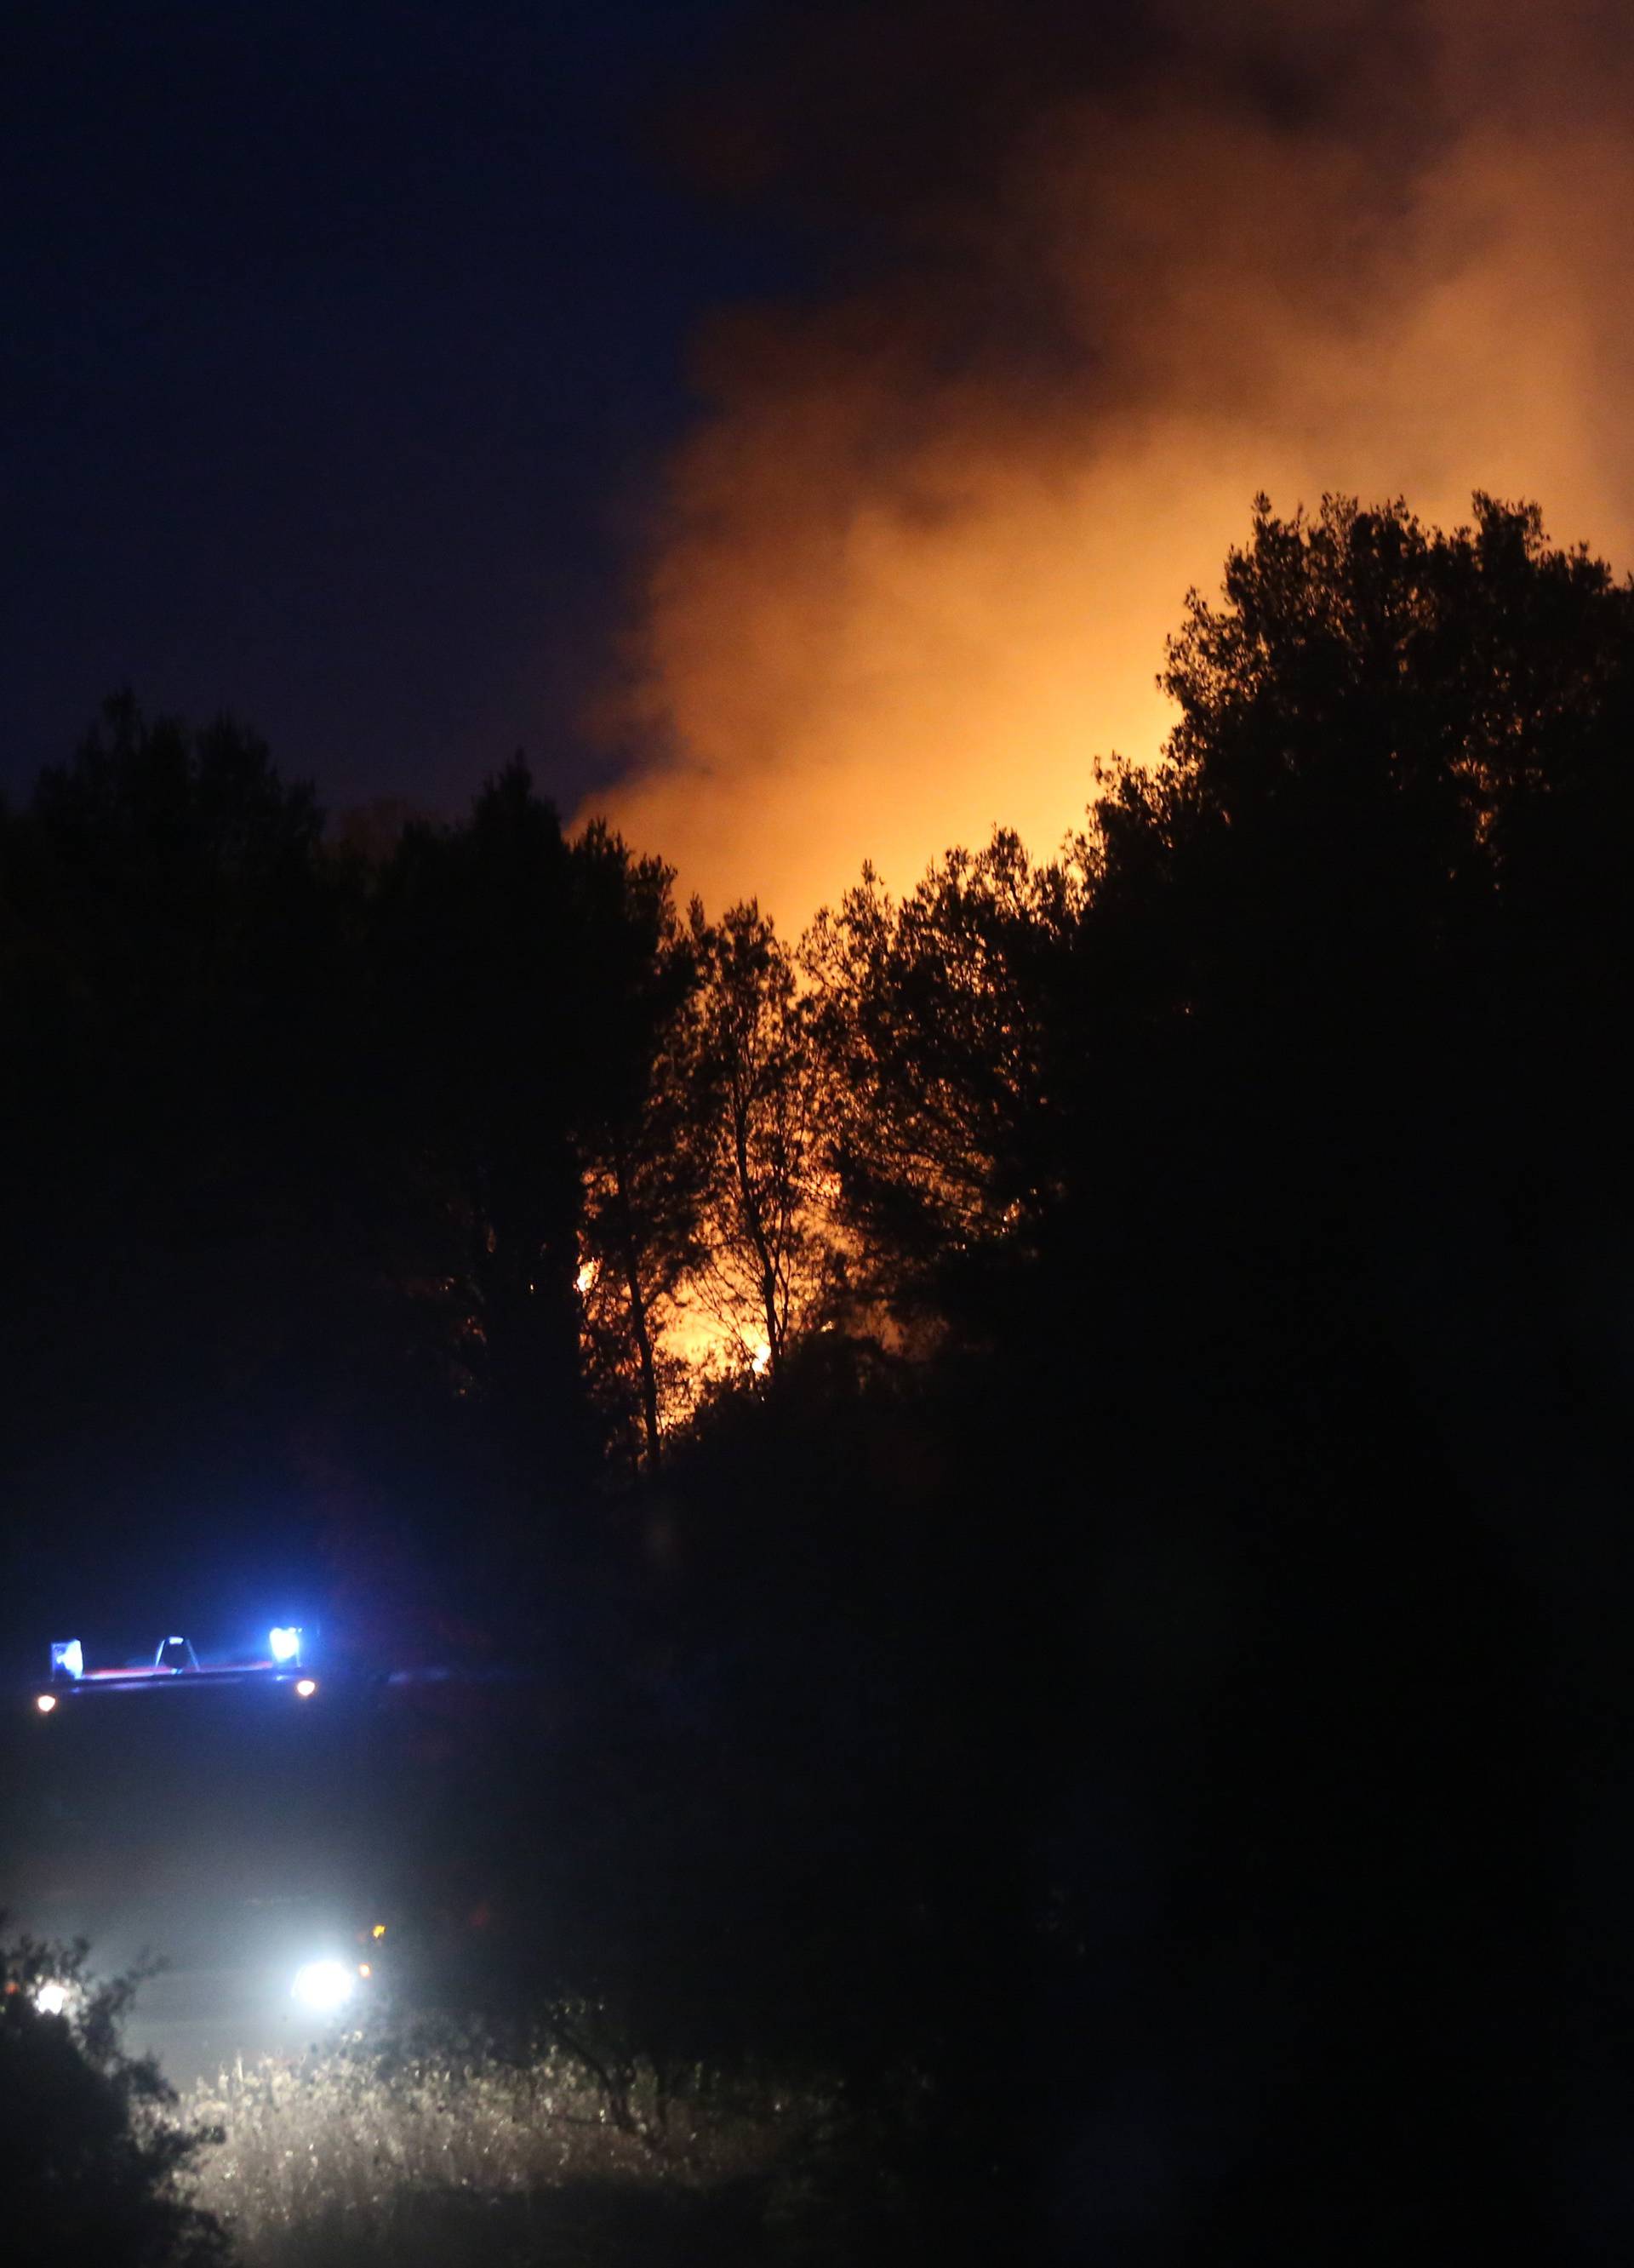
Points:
x=919 y=555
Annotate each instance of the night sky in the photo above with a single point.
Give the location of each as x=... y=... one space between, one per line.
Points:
x=342 y=348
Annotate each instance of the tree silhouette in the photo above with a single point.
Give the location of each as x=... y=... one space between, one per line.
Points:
x=482 y=1026
x=174 y=1001
x=933 y=1016
x=769 y=1262
x=91 y=2164
x=1334 y=1019
x=644 y=1163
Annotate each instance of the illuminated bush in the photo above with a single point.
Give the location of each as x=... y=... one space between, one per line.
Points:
x=438 y=2149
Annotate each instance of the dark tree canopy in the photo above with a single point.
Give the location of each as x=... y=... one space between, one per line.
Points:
x=1150 y=1627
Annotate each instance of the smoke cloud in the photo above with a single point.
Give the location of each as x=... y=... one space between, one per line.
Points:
x=1086 y=290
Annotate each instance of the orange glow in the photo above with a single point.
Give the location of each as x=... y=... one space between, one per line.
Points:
x=585 y=1279
x=46 y=1703
x=918 y=563
x=379 y=1930
x=306 y=1687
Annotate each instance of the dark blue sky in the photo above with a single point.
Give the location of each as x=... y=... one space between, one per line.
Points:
x=343 y=343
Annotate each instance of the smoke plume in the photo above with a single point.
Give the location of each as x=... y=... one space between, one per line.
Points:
x=1091 y=279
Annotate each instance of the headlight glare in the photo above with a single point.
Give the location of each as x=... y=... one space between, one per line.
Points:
x=324 y=1986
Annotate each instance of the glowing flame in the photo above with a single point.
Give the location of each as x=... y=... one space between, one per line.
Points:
x=585 y=1279
x=761 y=1361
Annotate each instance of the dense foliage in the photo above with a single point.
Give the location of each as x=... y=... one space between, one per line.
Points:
x=1062 y=1436
x=92 y=2164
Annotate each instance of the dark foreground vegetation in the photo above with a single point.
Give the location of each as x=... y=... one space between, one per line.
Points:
x=95 y=2163
x=1057 y=1450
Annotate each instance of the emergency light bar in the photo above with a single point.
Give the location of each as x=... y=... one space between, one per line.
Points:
x=176 y=1665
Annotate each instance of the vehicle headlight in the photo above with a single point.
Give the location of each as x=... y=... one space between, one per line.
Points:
x=324 y=1986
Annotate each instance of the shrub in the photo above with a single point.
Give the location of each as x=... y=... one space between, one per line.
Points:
x=93 y=2163
x=439 y=2147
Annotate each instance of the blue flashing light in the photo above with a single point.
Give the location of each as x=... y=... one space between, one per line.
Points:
x=67 y=1658
x=285 y=1645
